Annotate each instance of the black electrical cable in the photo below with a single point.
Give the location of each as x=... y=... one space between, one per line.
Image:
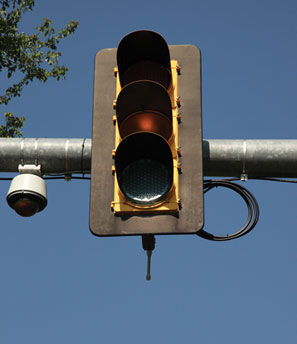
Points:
x=276 y=180
x=72 y=177
x=251 y=202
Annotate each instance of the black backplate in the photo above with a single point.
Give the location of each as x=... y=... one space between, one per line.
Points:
x=103 y=222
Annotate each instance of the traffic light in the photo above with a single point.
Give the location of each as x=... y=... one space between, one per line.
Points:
x=147 y=173
x=146 y=128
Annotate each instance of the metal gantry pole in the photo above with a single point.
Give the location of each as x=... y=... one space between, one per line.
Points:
x=54 y=155
x=224 y=158
x=254 y=158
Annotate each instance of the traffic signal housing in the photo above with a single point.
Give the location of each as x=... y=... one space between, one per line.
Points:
x=146 y=159
x=146 y=162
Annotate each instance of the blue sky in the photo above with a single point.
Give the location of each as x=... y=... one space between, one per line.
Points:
x=61 y=284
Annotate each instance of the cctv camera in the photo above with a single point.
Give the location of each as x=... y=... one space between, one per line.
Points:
x=27 y=194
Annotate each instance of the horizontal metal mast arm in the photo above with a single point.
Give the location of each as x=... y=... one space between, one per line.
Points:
x=54 y=155
x=225 y=158
x=256 y=158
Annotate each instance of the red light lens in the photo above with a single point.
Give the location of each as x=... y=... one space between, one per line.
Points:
x=147 y=70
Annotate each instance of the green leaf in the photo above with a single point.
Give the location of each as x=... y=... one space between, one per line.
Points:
x=12 y=125
x=34 y=57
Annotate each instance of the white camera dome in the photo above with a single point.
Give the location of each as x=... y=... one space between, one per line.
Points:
x=27 y=194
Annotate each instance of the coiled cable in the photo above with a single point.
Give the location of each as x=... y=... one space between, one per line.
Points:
x=251 y=202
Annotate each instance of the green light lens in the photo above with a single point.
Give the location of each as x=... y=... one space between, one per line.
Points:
x=145 y=181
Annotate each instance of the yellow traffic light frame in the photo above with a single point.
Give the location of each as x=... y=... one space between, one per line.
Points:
x=171 y=204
